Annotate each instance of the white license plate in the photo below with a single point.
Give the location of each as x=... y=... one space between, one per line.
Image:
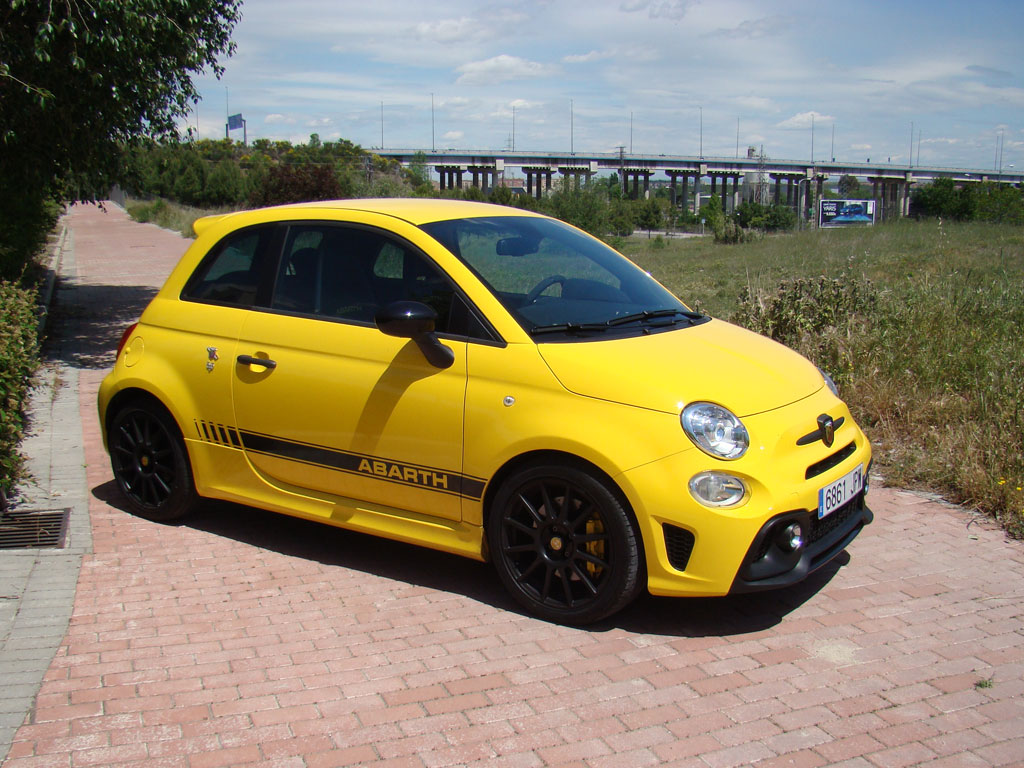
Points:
x=834 y=495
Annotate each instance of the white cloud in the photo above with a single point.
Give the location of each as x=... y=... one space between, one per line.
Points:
x=319 y=122
x=585 y=58
x=756 y=103
x=770 y=26
x=659 y=9
x=448 y=31
x=804 y=120
x=277 y=118
x=501 y=69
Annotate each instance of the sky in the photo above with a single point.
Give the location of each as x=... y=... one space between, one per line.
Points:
x=932 y=83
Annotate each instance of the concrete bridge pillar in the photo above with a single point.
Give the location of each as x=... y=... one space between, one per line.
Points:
x=450 y=176
x=539 y=175
x=681 y=197
x=487 y=175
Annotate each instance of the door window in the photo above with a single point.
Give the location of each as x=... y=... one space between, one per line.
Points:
x=349 y=273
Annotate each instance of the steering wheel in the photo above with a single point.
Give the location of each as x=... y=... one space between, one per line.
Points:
x=542 y=286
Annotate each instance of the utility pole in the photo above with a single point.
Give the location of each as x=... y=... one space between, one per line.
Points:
x=812 y=138
x=433 y=147
x=572 y=148
x=701 y=132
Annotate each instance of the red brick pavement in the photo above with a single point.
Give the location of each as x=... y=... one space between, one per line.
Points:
x=242 y=638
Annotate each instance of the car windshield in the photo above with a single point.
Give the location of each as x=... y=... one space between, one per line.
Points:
x=556 y=280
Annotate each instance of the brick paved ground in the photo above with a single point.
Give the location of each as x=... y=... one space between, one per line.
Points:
x=246 y=639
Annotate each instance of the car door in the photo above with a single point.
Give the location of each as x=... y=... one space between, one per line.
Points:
x=198 y=341
x=325 y=403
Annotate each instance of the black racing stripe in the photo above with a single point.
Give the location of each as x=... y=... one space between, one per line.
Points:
x=429 y=478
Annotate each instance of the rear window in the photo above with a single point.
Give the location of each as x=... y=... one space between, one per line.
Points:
x=233 y=271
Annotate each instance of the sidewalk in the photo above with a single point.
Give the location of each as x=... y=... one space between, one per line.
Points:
x=242 y=638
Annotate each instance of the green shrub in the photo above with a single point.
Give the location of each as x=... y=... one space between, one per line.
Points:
x=19 y=358
x=816 y=316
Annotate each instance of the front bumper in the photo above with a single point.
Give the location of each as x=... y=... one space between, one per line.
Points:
x=769 y=565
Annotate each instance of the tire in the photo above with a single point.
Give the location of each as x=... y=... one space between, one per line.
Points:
x=150 y=463
x=564 y=545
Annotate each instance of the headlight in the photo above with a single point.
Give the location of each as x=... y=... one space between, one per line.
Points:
x=829 y=383
x=715 y=430
x=715 y=489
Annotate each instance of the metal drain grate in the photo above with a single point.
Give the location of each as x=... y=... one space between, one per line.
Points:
x=32 y=530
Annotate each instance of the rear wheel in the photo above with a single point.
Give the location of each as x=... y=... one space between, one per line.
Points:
x=150 y=463
x=564 y=544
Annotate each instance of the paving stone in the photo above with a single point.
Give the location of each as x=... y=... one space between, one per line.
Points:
x=243 y=638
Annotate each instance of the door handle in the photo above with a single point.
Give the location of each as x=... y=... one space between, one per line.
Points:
x=250 y=360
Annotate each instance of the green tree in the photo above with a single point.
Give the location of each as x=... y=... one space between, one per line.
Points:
x=651 y=215
x=82 y=81
x=225 y=184
x=1001 y=203
x=715 y=216
x=943 y=198
x=849 y=186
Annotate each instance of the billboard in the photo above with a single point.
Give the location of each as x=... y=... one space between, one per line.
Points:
x=846 y=213
x=235 y=122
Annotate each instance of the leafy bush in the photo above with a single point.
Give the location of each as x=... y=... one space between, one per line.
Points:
x=296 y=183
x=24 y=224
x=814 y=316
x=19 y=349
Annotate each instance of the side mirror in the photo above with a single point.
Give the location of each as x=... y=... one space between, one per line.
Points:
x=415 y=320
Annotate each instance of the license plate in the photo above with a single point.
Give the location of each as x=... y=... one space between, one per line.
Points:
x=834 y=495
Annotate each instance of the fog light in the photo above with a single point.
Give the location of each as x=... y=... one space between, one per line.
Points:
x=792 y=538
x=716 y=489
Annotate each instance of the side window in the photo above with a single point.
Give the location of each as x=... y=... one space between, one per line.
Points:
x=231 y=273
x=348 y=273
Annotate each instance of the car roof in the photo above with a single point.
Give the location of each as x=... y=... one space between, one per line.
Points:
x=415 y=210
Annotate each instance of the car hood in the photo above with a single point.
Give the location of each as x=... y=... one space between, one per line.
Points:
x=715 y=361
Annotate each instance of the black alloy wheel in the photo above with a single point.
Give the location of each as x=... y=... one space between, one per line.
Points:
x=564 y=544
x=150 y=464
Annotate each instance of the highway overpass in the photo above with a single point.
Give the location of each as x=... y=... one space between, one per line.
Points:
x=795 y=182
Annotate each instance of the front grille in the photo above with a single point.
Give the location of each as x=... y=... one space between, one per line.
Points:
x=679 y=544
x=834 y=460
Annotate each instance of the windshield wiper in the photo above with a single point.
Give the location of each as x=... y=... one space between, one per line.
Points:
x=641 y=317
x=569 y=328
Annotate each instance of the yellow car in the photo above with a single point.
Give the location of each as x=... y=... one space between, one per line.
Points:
x=488 y=382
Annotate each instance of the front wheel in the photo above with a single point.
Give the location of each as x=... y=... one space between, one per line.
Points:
x=150 y=463
x=564 y=544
